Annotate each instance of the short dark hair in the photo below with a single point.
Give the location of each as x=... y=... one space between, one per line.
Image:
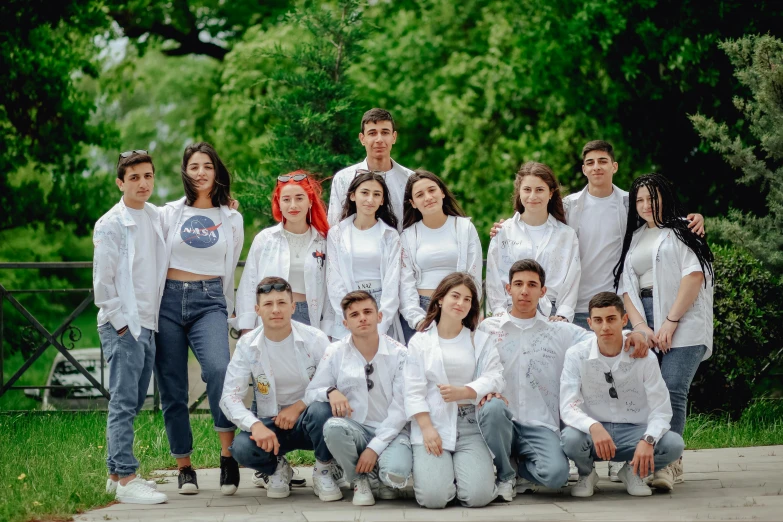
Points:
x=375 y=115
x=221 y=189
x=133 y=159
x=601 y=145
x=605 y=300
x=355 y=297
x=527 y=265
x=273 y=280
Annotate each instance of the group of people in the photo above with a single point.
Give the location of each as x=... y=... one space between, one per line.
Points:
x=362 y=335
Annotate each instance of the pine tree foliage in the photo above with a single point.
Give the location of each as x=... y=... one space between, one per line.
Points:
x=758 y=63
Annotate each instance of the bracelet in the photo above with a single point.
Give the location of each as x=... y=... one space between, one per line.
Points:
x=633 y=327
x=667 y=318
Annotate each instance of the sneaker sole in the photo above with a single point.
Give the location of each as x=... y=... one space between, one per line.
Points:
x=663 y=485
x=188 y=489
x=504 y=498
x=363 y=502
x=278 y=494
x=582 y=494
x=615 y=478
x=228 y=490
x=327 y=497
x=144 y=501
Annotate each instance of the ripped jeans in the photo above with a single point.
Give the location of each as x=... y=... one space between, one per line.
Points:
x=347 y=439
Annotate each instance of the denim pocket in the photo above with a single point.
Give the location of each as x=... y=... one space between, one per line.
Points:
x=108 y=337
x=214 y=291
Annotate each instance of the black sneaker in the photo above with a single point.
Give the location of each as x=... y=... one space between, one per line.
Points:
x=188 y=484
x=229 y=475
x=262 y=479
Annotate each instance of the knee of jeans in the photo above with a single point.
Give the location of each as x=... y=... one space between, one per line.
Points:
x=334 y=428
x=555 y=474
x=493 y=411
x=319 y=412
x=242 y=448
x=478 y=493
x=433 y=496
x=672 y=444
x=574 y=441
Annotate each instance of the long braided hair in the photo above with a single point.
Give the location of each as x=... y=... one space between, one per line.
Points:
x=667 y=213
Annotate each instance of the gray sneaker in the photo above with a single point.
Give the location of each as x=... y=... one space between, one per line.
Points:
x=634 y=484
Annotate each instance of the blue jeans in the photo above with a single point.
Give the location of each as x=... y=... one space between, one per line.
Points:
x=536 y=448
x=192 y=313
x=580 y=319
x=407 y=331
x=307 y=434
x=130 y=370
x=302 y=313
x=578 y=446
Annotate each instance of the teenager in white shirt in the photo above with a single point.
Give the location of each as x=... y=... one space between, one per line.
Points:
x=537 y=231
x=361 y=377
x=364 y=253
x=438 y=239
x=447 y=371
x=127 y=271
x=204 y=238
x=666 y=278
x=615 y=408
x=378 y=136
x=294 y=249
x=280 y=358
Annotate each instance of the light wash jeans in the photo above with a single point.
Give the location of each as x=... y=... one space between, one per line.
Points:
x=578 y=446
x=466 y=472
x=302 y=313
x=347 y=439
x=130 y=370
x=192 y=313
x=407 y=331
x=307 y=434
x=537 y=449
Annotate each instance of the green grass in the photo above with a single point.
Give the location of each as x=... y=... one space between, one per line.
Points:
x=53 y=464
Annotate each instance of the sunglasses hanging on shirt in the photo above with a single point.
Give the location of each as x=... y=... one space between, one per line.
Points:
x=368 y=369
x=610 y=380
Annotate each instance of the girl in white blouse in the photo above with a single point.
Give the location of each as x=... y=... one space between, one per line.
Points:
x=449 y=369
x=665 y=276
x=537 y=231
x=295 y=250
x=437 y=240
x=364 y=253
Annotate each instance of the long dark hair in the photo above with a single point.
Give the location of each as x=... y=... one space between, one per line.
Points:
x=667 y=213
x=450 y=281
x=384 y=212
x=410 y=215
x=221 y=189
x=544 y=173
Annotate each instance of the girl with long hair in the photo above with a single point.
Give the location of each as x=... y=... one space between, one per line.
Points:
x=204 y=238
x=665 y=275
x=364 y=253
x=294 y=249
x=449 y=369
x=537 y=231
x=437 y=240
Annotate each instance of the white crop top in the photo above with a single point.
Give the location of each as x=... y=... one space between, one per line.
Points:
x=297 y=250
x=366 y=253
x=459 y=359
x=436 y=252
x=200 y=245
x=641 y=258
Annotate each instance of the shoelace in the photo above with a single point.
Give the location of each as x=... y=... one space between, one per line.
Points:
x=187 y=475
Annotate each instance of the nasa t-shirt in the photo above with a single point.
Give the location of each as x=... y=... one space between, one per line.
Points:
x=200 y=243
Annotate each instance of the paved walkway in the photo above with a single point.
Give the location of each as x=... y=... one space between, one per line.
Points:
x=724 y=484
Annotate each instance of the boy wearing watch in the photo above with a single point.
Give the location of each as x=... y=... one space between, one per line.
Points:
x=615 y=408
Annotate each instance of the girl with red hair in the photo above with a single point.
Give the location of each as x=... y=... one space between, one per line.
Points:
x=294 y=249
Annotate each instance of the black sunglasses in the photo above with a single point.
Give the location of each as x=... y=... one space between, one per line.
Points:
x=285 y=178
x=368 y=369
x=365 y=171
x=610 y=380
x=265 y=289
x=129 y=153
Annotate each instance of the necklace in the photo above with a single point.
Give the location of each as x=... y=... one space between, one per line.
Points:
x=296 y=242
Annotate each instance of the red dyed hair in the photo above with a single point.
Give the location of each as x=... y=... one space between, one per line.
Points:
x=317 y=215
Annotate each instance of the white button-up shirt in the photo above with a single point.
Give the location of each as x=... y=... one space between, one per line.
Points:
x=532 y=359
x=250 y=362
x=672 y=260
x=343 y=367
x=424 y=370
x=643 y=398
x=558 y=253
x=396 y=178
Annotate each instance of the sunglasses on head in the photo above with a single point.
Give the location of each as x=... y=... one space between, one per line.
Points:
x=277 y=287
x=285 y=178
x=365 y=171
x=610 y=380
x=129 y=153
x=368 y=369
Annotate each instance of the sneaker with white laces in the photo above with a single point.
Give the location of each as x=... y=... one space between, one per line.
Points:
x=387 y=493
x=679 y=471
x=614 y=468
x=277 y=486
x=634 y=484
x=506 y=490
x=137 y=491
x=523 y=485
x=362 y=493
x=324 y=485
x=573 y=473
x=585 y=485
x=663 y=479
x=111 y=485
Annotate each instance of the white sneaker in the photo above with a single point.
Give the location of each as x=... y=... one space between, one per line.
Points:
x=523 y=485
x=324 y=485
x=573 y=473
x=339 y=476
x=387 y=493
x=137 y=491
x=111 y=485
x=585 y=485
x=506 y=490
x=277 y=487
x=634 y=484
x=614 y=468
x=362 y=493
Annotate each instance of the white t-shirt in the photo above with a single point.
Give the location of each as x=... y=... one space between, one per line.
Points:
x=600 y=246
x=522 y=323
x=144 y=269
x=297 y=250
x=201 y=246
x=537 y=234
x=436 y=252
x=378 y=405
x=642 y=256
x=459 y=359
x=290 y=386
x=366 y=252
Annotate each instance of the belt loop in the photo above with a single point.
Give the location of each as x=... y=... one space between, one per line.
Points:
x=204 y=285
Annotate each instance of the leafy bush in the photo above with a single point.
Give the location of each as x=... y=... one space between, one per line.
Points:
x=748 y=332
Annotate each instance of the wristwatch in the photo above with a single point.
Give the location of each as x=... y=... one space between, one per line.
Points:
x=329 y=390
x=649 y=439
